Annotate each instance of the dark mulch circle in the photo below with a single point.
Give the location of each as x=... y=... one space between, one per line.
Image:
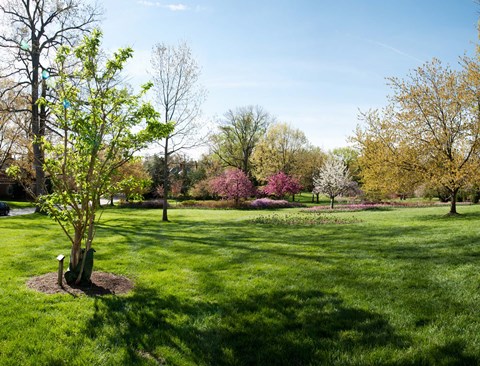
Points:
x=102 y=284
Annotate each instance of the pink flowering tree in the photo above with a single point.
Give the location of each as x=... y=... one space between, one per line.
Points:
x=281 y=184
x=233 y=184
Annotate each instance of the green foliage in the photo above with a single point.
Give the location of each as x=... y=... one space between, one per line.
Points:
x=154 y=165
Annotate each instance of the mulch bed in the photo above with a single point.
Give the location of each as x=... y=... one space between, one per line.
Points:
x=102 y=284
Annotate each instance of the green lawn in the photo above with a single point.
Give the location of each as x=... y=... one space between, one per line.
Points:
x=394 y=287
x=20 y=204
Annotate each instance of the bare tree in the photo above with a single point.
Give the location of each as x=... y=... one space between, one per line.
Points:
x=239 y=133
x=10 y=130
x=37 y=29
x=175 y=75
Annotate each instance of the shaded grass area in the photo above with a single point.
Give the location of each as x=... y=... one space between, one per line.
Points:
x=397 y=287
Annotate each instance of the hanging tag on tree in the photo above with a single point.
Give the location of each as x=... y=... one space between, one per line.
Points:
x=24 y=45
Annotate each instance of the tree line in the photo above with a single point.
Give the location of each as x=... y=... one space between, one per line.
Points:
x=426 y=139
x=248 y=137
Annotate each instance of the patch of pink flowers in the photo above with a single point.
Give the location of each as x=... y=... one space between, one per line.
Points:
x=266 y=203
x=352 y=207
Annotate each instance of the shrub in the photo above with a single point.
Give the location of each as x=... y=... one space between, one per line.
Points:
x=189 y=203
x=202 y=189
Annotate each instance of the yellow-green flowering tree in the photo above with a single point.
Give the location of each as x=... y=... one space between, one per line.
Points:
x=430 y=130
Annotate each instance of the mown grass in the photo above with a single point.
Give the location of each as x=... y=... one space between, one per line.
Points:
x=397 y=287
x=19 y=204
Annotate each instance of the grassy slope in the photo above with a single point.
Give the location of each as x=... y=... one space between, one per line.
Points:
x=400 y=287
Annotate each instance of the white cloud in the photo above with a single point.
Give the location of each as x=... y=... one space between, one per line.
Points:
x=176 y=7
x=171 y=7
x=146 y=3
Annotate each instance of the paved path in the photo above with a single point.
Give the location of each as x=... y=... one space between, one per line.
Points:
x=31 y=210
x=20 y=211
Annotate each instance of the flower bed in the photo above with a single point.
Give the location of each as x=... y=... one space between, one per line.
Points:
x=267 y=203
x=352 y=207
x=301 y=219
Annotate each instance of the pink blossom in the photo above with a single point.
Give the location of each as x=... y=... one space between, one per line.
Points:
x=233 y=184
x=281 y=184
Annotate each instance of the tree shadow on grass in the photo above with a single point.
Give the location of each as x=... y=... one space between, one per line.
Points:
x=275 y=328
x=461 y=217
x=452 y=353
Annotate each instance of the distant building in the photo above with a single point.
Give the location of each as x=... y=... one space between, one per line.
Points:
x=7 y=186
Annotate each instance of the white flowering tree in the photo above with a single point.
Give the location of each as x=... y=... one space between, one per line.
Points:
x=333 y=179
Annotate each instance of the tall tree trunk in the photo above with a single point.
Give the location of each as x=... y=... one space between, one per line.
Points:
x=245 y=165
x=41 y=133
x=453 y=202
x=331 y=201
x=166 y=185
x=37 y=122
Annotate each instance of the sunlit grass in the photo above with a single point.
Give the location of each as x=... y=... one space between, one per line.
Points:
x=215 y=288
x=19 y=204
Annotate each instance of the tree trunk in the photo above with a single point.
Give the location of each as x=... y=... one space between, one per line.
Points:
x=453 y=202
x=111 y=200
x=331 y=201
x=91 y=229
x=166 y=185
x=36 y=123
x=318 y=197
x=246 y=155
x=76 y=250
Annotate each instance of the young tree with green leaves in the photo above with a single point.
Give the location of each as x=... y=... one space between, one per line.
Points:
x=96 y=118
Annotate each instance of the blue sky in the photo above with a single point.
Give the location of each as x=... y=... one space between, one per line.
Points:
x=312 y=64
